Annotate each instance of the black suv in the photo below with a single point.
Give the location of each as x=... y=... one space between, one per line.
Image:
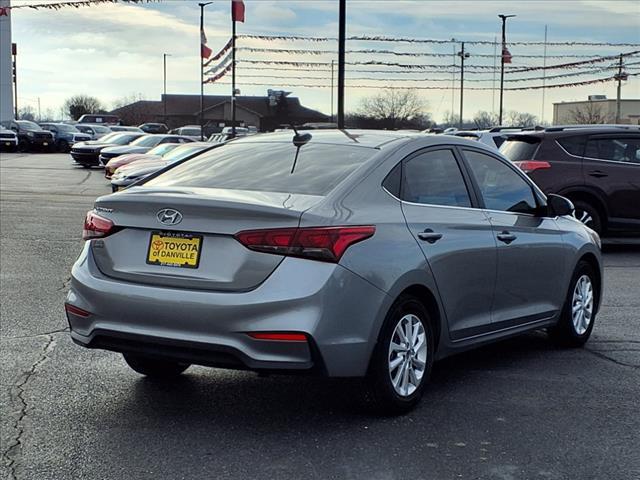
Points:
x=31 y=136
x=596 y=166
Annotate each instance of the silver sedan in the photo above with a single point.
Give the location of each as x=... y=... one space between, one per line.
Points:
x=345 y=253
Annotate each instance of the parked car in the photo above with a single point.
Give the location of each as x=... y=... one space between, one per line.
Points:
x=493 y=137
x=87 y=153
x=104 y=119
x=123 y=128
x=597 y=167
x=153 y=154
x=154 y=128
x=65 y=136
x=140 y=145
x=8 y=139
x=128 y=174
x=96 y=131
x=344 y=253
x=30 y=135
x=192 y=131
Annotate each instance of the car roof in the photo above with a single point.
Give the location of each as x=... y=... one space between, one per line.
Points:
x=575 y=130
x=362 y=138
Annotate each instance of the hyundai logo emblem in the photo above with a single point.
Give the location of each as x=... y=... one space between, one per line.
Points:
x=169 y=216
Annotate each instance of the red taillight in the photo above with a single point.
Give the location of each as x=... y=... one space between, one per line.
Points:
x=76 y=310
x=528 y=166
x=96 y=226
x=317 y=243
x=279 y=336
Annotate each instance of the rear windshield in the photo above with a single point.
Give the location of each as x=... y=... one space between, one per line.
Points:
x=518 y=149
x=268 y=167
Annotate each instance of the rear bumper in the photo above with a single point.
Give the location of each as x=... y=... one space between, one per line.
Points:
x=335 y=308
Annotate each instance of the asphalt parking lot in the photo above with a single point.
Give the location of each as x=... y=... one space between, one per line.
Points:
x=521 y=409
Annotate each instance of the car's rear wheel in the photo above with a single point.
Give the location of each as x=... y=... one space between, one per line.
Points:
x=579 y=311
x=403 y=357
x=63 y=146
x=588 y=214
x=154 y=367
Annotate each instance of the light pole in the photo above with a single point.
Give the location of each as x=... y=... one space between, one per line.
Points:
x=341 y=58
x=332 y=64
x=164 y=82
x=202 y=5
x=620 y=76
x=504 y=46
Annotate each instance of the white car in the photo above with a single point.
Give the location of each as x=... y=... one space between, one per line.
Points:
x=493 y=137
x=96 y=131
x=8 y=139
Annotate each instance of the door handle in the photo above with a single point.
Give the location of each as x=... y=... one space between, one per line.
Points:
x=506 y=237
x=429 y=236
x=598 y=173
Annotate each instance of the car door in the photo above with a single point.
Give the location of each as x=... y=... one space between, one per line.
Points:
x=611 y=166
x=531 y=254
x=455 y=237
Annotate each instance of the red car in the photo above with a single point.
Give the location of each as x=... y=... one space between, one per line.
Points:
x=155 y=153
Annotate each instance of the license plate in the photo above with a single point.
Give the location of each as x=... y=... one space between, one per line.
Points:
x=8 y=144
x=45 y=143
x=172 y=249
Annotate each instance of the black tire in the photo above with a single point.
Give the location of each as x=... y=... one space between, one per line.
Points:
x=84 y=165
x=564 y=333
x=386 y=400
x=63 y=146
x=154 y=367
x=23 y=146
x=589 y=215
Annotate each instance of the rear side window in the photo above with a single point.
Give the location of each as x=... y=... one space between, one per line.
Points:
x=520 y=148
x=268 y=167
x=434 y=178
x=502 y=188
x=621 y=149
x=573 y=145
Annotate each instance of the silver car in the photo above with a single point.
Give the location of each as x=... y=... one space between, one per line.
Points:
x=345 y=253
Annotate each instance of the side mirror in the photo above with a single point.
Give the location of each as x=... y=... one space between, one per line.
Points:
x=559 y=206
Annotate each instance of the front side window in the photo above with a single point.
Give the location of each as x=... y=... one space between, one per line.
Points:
x=434 y=178
x=620 y=149
x=502 y=188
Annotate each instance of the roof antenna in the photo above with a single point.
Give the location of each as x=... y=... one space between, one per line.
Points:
x=298 y=140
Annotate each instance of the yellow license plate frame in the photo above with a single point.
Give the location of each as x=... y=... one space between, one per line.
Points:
x=174 y=249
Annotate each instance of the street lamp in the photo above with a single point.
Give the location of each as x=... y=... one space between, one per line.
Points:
x=504 y=45
x=164 y=81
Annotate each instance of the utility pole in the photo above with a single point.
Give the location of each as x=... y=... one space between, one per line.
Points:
x=332 y=63
x=164 y=82
x=544 y=73
x=202 y=5
x=233 y=77
x=463 y=55
x=14 y=53
x=341 y=59
x=39 y=113
x=504 y=46
x=619 y=77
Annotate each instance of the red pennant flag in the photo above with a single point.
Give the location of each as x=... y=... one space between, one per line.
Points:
x=205 y=52
x=4 y=11
x=237 y=11
x=506 y=55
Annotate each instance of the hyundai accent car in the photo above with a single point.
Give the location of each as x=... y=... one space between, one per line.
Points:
x=341 y=253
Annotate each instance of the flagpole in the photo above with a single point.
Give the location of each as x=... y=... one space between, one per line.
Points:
x=504 y=45
x=233 y=76
x=202 y=5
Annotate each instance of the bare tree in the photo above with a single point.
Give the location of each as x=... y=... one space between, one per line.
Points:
x=590 y=114
x=521 y=119
x=128 y=100
x=394 y=108
x=27 y=113
x=484 y=119
x=450 y=119
x=78 y=105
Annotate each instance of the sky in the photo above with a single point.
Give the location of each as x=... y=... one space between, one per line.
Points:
x=115 y=51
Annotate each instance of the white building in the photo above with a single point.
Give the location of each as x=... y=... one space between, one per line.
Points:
x=596 y=109
x=6 y=81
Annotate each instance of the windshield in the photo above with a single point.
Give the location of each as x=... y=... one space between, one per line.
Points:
x=99 y=129
x=123 y=138
x=184 y=151
x=67 y=128
x=147 y=141
x=108 y=138
x=190 y=131
x=27 y=125
x=521 y=148
x=268 y=167
x=163 y=149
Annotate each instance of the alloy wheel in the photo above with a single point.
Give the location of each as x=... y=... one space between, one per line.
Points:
x=584 y=216
x=407 y=357
x=582 y=305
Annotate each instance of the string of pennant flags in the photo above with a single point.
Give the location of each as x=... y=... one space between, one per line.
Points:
x=4 y=11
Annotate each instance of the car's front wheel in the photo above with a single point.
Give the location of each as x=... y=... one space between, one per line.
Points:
x=154 y=367
x=403 y=357
x=63 y=146
x=589 y=215
x=579 y=311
